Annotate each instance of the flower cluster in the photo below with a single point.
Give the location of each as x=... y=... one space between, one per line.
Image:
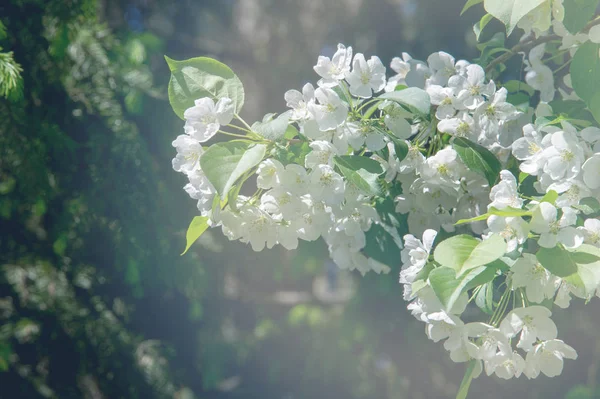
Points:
x=504 y=195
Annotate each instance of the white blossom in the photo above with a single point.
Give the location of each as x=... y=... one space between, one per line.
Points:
x=472 y=88
x=514 y=230
x=553 y=230
x=366 y=76
x=299 y=101
x=591 y=172
x=505 y=194
x=335 y=69
x=531 y=322
x=269 y=173
x=331 y=111
x=326 y=185
x=538 y=282
x=203 y=120
x=563 y=159
x=591 y=232
x=188 y=155
x=547 y=358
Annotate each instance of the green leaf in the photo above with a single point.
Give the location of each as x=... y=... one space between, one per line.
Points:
x=381 y=246
x=571 y=108
x=522 y=176
x=202 y=77
x=464 y=252
x=584 y=258
x=585 y=71
x=496 y=43
x=586 y=253
x=197 y=227
x=481 y=24
x=448 y=287
x=272 y=128
x=485 y=298
x=469 y=4
x=290 y=132
x=594 y=106
x=478 y=159
x=424 y=273
x=578 y=13
x=401 y=149
x=413 y=97
x=557 y=261
x=463 y=390
x=232 y=196
x=361 y=171
x=515 y=86
x=551 y=197
x=506 y=212
x=486 y=275
x=519 y=100
x=295 y=153
x=587 y=275
x=417 y=286
x=588 y=206
x=224 y=163
x=510 y=12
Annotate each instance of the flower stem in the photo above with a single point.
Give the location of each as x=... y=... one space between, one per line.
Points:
x=233 y=134
x=238 y=128
x=243 y=121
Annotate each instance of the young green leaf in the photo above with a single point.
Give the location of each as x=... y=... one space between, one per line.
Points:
x=515 y=86
x=550 y=197
x=448 y=287
x=464 y=252
x=290 y=132
x=481 y=24
x=578 y=13
x=401 y=149
x=506 y=212
x=361 y=171
x=469 y=4
x=224 y=163
x=587 y=276
x=478 y=159
x=585 y=71
x=232 y=196
x=197 y=227
x=485 y=298
x=510 y=12
x=594 y=106
x=424 y=273
x=272 y=128
x=588 y=206
x=413 y=97
x=557 y=261
x=585 y=254
x=522 y=176
x=202 y=77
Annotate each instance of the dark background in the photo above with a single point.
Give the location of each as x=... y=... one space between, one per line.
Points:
x=95 y=301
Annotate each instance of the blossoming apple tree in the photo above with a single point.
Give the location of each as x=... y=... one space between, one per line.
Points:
x=485 y=191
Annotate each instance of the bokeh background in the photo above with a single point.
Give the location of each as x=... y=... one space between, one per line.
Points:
x=95 y=301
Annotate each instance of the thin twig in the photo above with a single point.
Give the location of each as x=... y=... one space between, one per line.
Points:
x=531 y=43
